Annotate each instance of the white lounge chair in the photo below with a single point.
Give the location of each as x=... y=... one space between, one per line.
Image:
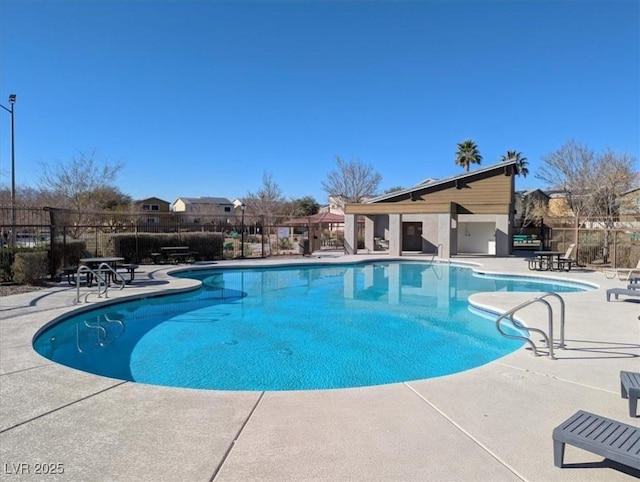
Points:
x=622 y=273
x=564 y=262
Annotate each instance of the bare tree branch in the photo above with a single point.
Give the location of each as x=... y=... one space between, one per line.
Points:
x=571 y=170
x=533 y=210
x=267 y=201
x=79 y=183
x=352 y=182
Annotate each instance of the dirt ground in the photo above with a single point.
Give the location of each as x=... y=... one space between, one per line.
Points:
x=15 y=289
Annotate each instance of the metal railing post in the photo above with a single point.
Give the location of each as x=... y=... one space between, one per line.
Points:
x=548 y=338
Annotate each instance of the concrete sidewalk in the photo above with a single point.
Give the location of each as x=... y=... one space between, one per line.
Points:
x=492 y=423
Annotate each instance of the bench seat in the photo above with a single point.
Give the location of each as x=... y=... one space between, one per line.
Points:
x=565 y=263
x=613 y=440
x=181 y=257
x=129 y=268
x=70 y=273
x=156 y=258
x=537 y=264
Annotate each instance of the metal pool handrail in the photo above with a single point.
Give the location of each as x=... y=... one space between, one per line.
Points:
x=101 y=283
x=437 y=253
x=548 y=338
x=101 y=280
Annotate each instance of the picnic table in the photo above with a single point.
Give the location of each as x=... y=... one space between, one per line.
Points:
x=94 y=263
x=546 y=260
x=173 y=254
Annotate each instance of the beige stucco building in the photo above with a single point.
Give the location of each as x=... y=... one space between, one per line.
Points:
x=471 y=213
x=193 y=209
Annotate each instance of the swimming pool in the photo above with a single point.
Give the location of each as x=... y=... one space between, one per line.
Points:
x=294 y=328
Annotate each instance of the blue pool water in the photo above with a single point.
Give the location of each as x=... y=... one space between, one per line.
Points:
x=294 y=328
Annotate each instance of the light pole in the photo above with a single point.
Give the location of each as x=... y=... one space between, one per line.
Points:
x=12 y=100
x=242 y=208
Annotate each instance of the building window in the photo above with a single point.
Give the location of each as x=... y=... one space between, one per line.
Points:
x=227 y=209
x=150 y=207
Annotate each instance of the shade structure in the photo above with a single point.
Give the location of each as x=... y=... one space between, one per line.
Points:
x=319 y=218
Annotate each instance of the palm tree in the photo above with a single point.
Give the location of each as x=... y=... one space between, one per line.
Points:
x=467 y=154
x=521 y=162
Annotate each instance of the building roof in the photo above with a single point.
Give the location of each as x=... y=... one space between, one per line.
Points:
x=428 y=180
x=203 y=200
x=431 y=183
x=139 y=201
x=535 y=191
x=631 y=191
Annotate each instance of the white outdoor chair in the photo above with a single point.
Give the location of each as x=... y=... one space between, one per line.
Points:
x=565 y=262
x=622 y=273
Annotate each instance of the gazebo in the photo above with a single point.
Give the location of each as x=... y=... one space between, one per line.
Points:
x=316 y=223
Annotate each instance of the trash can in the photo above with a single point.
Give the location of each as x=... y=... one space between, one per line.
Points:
x=304 y=247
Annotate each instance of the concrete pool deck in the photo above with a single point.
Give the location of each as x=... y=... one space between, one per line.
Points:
x=492 y=423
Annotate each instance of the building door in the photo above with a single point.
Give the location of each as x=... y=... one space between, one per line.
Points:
x=411 y=236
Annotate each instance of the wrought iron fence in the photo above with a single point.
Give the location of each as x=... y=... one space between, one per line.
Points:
x=599 y=243
x=30 y=229
x=138 y=236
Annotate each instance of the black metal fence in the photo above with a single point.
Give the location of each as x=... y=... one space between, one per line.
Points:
x=598 y=246
x=137 y=236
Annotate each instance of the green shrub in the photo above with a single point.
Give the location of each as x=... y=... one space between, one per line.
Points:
x=29 y=268
x=284 y=243
x=209 y=246
x=137 y=248
x=68 y=254
x=8 y=258
x=6 y=261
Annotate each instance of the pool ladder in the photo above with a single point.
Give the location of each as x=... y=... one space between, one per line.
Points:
x=102 y=284
x=101 y=331
x=437 y=253
x=437 y=272
x=548 y=338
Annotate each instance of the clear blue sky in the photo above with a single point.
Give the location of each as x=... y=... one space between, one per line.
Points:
x=200 y=98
